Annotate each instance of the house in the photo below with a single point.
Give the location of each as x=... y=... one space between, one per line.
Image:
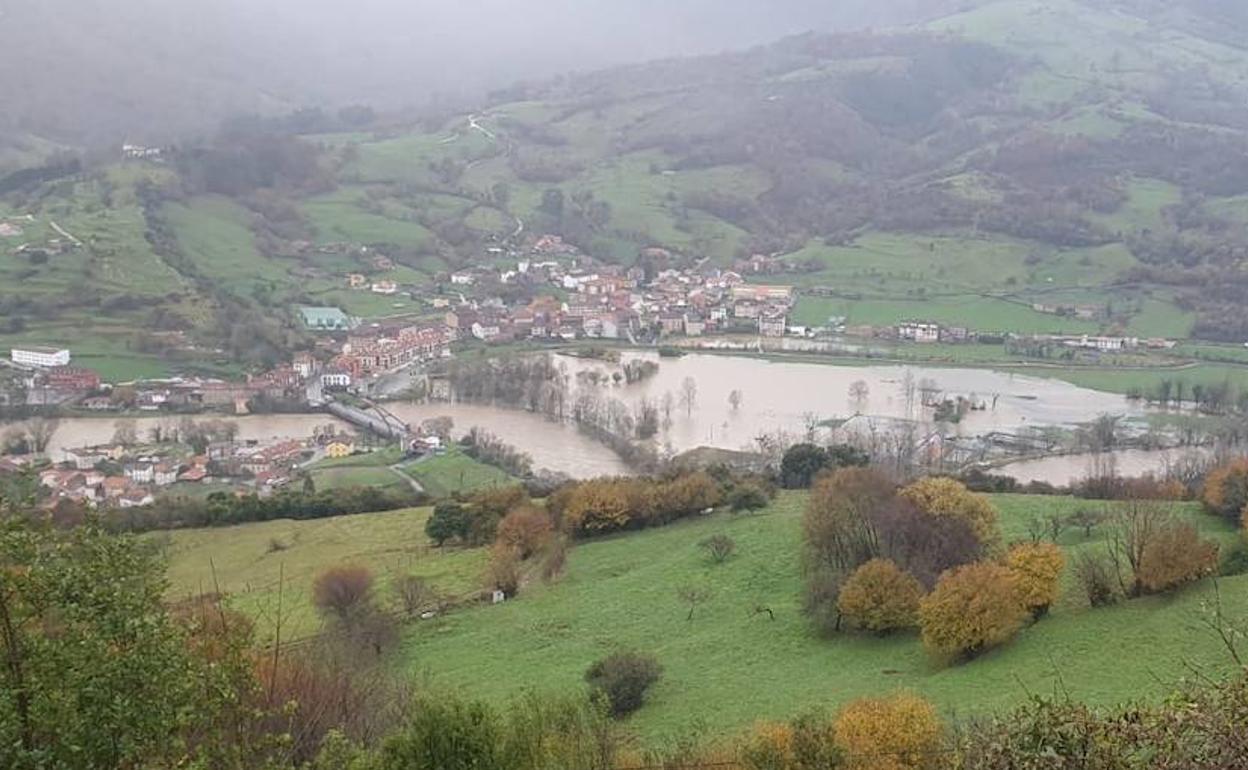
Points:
x=357 y=281
x=340 y=448
x=85 y=458
x=113 y=487
x=463 y=278
x=305 y=365
x=762 y=293
x=695 y=325
x=772 y=324
x=385 y=287
x=135 y=497
x=194 y=475
x=324 y=319
x=141 y=473
x=139 y=152
x=165 y=474
x=72 y=378
x=919 y=331
x=98 y=404
x=39 y=356
x=335 y=377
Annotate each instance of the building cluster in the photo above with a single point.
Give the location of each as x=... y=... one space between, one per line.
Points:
x=373 y=350
x=573 y=297
x=115 y=476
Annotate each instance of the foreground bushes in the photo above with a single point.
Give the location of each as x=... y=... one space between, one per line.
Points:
x=611 y=505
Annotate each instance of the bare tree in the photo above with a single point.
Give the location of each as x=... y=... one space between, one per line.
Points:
x=1133 y=527
x=39 y=433
x=414 y=594
x=689 y=395
x=693 y=594
x=125 y=432
x=734 y=399
x=719 y=547
x=907 y=392
x=343 y=592
x=858 y=393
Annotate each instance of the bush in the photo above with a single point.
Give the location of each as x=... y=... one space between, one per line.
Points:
x=901 y=732
x=526 y=530
x=622 y=679
x=503 y=572
x=1226 y=489
x=444 y=735
x=1174 y=556
x=1037 y=571
x=947 y=497
x=1234 y=561
x=972 y=609
x=748 y=496
x=805 y=743
x=719 y=547
x=880 y=598
x=800 y=464
x=1097 y=579
x=343 y=592
x=449 y=521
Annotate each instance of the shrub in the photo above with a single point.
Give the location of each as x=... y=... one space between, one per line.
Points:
x=748 y=496
x=947 y=497
x=449 y=521
x=822 y=594
x=1234 y=561
x=622 y=679
x=805 y=743
x=973 y=608
x=343 y=592
x=880 y=598
x=414 y=593
x=719 y=547
x=446 y=735
x=503 y=571
x=526 y=529
x=1096 y=577
x=800 y=464
x=901 y=732
x=1226 y=489
x=1037 y=571
x=1176 y=555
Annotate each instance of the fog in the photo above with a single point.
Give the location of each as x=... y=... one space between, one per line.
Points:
x=80 y=69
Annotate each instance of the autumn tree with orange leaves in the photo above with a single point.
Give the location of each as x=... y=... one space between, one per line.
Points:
x=973 y=608
x=879 y=597
x=899 y=732
x=1036 y=569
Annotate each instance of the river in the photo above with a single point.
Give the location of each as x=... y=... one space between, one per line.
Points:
x=1064 y=469
x=775 y=397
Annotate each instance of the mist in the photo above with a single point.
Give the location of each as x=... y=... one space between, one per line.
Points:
x=155 y=69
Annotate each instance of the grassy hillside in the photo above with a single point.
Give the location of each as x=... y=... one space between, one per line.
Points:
x=251 y=561
x=729 y=666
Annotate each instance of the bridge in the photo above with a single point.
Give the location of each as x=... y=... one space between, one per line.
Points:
x=378 y=421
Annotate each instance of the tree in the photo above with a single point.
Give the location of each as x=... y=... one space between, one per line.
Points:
x=1226 y=489
x=694 y=594
x=414 y=593
x=899 y=732
x=1037 y=570
x=1174 y=556
x=718 y=547
x=948 y=497
x=526 y=530
x=1133 y=528
x=39 y=433
x=126 y=433
x=344 y=593
x=622 y=679
x=1095 y=573
x=880 y=598
x=689 y=395
x=972 y=609
x=800 y=464
x=1086 y=519
x=449 y=520
x=95 y=670
x=734 y=399
x=859 y=391
x=838 y=525
x=444 y=734
x=748 y=496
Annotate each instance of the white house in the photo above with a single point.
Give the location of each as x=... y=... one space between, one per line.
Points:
x=335 y=378
x=141 y=473
x=919 y=331
x=38 y=355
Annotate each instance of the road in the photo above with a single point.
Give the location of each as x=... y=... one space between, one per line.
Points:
x=475 y=125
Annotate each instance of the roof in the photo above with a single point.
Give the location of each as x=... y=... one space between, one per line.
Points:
x=41 y=349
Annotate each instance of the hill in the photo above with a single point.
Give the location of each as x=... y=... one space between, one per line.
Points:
x=730 y=665
x=1016 y=165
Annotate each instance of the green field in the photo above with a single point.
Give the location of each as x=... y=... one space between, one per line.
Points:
x=730 y=667
x=453 y=472
x=247 y=561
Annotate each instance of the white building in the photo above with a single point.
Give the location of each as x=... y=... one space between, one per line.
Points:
x=40 y=356
x=919 y=331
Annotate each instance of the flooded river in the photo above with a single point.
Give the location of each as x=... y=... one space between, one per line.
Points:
x=775 y=397
x=1065 y=469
